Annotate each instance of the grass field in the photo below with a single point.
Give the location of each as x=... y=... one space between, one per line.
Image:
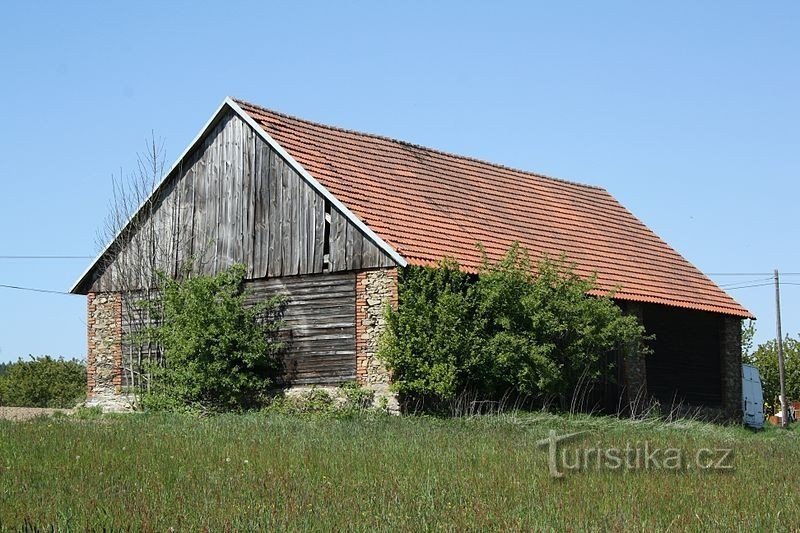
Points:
x=153 y=472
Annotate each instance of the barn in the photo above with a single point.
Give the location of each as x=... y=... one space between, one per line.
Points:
x=327 y=216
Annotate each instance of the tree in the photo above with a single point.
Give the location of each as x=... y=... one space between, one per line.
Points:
x=151 y=240
x=220 y=354
x=748 y=335
x=765 y=358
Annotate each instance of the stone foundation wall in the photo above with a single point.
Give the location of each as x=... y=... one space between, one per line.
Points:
x=731 y=367
x=634 y=370
x=104 y=357
x=375 y=290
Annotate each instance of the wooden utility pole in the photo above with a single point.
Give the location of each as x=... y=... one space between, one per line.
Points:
x=784 y=406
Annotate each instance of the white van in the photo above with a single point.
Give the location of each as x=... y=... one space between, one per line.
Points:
x=752 y=397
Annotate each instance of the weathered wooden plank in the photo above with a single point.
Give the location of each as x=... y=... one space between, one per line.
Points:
x=319 y=233
x=304 y=233
x=310 y=229
x=249 y=200
x=254 y=197
x=326 y=380
x=348 y=246
x=261 y=207
x=275 y=253
x=289 y=221
x=298 y=225
x=357 y=248
x=232 y=192
x=338 y=242
x=186 y=219
x=215 y=196
x=258 y=224
x=297 y=282
x=200 y=238
x=234 y=196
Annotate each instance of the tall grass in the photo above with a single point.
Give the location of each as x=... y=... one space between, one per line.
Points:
x=154 y=472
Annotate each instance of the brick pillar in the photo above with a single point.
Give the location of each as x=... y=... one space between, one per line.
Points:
x=375 y=290
x=104 y=356
x=731 y=367
x=634 y=369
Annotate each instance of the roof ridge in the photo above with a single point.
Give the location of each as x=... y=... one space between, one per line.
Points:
x=418 y=146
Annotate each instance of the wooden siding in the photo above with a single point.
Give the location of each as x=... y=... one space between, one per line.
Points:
x=319 y=326
x=685 y=365
x=235 y=200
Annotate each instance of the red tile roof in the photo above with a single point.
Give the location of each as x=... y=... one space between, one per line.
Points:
x=428 y=204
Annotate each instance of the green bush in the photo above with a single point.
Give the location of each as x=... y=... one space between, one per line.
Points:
x=350 y=399
x=43 y=382
x=356 y=397
x=219 y=354
x=507 y=331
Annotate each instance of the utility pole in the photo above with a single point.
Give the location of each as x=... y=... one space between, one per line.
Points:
x=784 y=407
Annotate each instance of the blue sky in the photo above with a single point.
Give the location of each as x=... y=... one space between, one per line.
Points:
x=687 y=113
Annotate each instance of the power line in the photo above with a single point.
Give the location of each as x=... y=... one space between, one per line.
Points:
x=758 y=285
x=45 y=257
x=748 y=286
x=33 y=289
x=750 y=274
x=744 y=282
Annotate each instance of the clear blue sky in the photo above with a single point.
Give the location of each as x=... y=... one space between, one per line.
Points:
x=689 y=114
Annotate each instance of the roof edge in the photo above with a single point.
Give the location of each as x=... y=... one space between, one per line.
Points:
x=76 y=287
x=421 y=147
x=740 y=312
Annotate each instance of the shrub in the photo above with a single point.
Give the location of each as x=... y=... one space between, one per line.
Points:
x=219 y=353
x=430 y=339
x=507 y=331
x=356 y=397
x=43 y=382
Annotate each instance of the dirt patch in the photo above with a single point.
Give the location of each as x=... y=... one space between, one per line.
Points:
x=27 y=413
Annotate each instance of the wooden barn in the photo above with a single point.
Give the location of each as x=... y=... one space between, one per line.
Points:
x=327 y=216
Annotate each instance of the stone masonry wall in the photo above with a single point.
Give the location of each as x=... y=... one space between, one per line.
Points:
x=104 y=358
x=375 y=290
x=634 y=369
x=731 y=367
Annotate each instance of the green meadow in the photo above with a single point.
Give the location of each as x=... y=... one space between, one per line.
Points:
x=369 y=472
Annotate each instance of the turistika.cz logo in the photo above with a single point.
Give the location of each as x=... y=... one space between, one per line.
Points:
x=638 y=456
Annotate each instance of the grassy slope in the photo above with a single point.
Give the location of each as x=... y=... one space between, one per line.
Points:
x=153 y=472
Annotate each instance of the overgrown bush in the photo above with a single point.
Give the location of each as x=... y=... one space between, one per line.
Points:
x=219 y=354
x=356 y=397
x=512 y=330
x=43 y=382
